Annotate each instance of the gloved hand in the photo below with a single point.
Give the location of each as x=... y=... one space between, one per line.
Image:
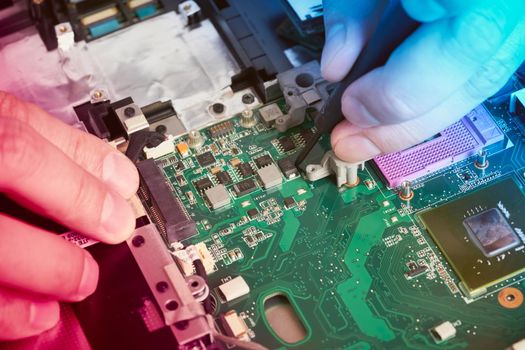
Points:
x=73 y=178
x=464 y=51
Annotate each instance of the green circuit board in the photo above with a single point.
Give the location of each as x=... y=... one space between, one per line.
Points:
x=346 y=258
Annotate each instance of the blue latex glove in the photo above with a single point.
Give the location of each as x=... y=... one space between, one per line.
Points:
x=463 y=53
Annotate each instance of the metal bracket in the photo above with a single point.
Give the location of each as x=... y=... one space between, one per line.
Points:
x=182 y=312
x=345 y=173
x=303 y=87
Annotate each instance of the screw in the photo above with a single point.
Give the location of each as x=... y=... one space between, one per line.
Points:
x=129 y=112
x=162 y=286
x=97 y=94
x=248 y=99
x=138 y=241
x=161 y=129
x=217 y=108
x=62 y=29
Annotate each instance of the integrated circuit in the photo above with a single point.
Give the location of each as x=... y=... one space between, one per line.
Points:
x=263 y=161
x=287 y=166
x=458 y=142
x=203 y=184
x=217 y=196
x=286 y=144
x=475 y=230
x=222 y=129
x=223 y=177
x=244 y=187
x=206 y=159
x=245 y=169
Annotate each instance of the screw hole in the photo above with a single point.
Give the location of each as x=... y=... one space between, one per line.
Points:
x=138 y=241
x=172 y=305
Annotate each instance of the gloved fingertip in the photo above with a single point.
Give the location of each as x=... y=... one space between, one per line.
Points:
x=424 y=10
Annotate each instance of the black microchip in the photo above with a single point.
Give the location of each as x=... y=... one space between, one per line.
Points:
x=223 y=177
x=181 y=180
x=306 y=134
x=252 y=213
x=286 y=144
x=263 y=161
x=206 y=159
x=245 y=169
x=287 y=166
x=244 y=187
x=203 y=184
x=180 y=166
x=289 y=202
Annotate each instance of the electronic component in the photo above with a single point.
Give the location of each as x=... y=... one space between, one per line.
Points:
x=288 y=168
x=443 y=332
x=252 y=213
x=306 y=134
x=248 y=119
x=185 y=258
x=345 y=173
x=517 y=103
x=405 y=191
x=183 y=149
x=270 y=176
x=520 y=345
x=289 y=202
x=215 y=170
x=269 y=113
x=491 y=232
x=244 y=187
x=164 y=148
x=263 y=161
x=223 y=177
x=217 y=196
x=472 y=233
x=234 y=325
x=233 y=289
x=195 y=139
x=166 y=210
x=245 y=169
x=203 y=184
x=286 y=144
x=206 y=159
x=204 y=255
x=415 y=270
x=459 y=141
x=235 y=161
x=181 y=180
x=222 y=129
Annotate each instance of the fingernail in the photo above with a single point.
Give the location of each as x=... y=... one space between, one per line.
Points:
x=43 y=315
x=117 y=219
x=89 y=280
x=119 y=173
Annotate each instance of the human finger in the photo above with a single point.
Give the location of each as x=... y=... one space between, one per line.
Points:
x=348 y=25
x=22 y=316
x=91 y=153
x=438 y=59
x=38 y=175
x=354 y=144
x=39 y=262
x=432 y=10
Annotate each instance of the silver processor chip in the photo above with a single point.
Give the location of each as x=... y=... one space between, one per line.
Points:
x=491 y=232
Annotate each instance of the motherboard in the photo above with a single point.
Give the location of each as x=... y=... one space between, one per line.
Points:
x=419 y=249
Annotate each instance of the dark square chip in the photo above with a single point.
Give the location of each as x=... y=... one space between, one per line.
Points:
x=244 y=187
x=286 y=144
x=252 y=213
x=306 y=134
x=223 y=177
x=287 y=166
x=263 y=161
x=245 y=169
x=203 y=184
x=206 y=159
x=289 y=202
